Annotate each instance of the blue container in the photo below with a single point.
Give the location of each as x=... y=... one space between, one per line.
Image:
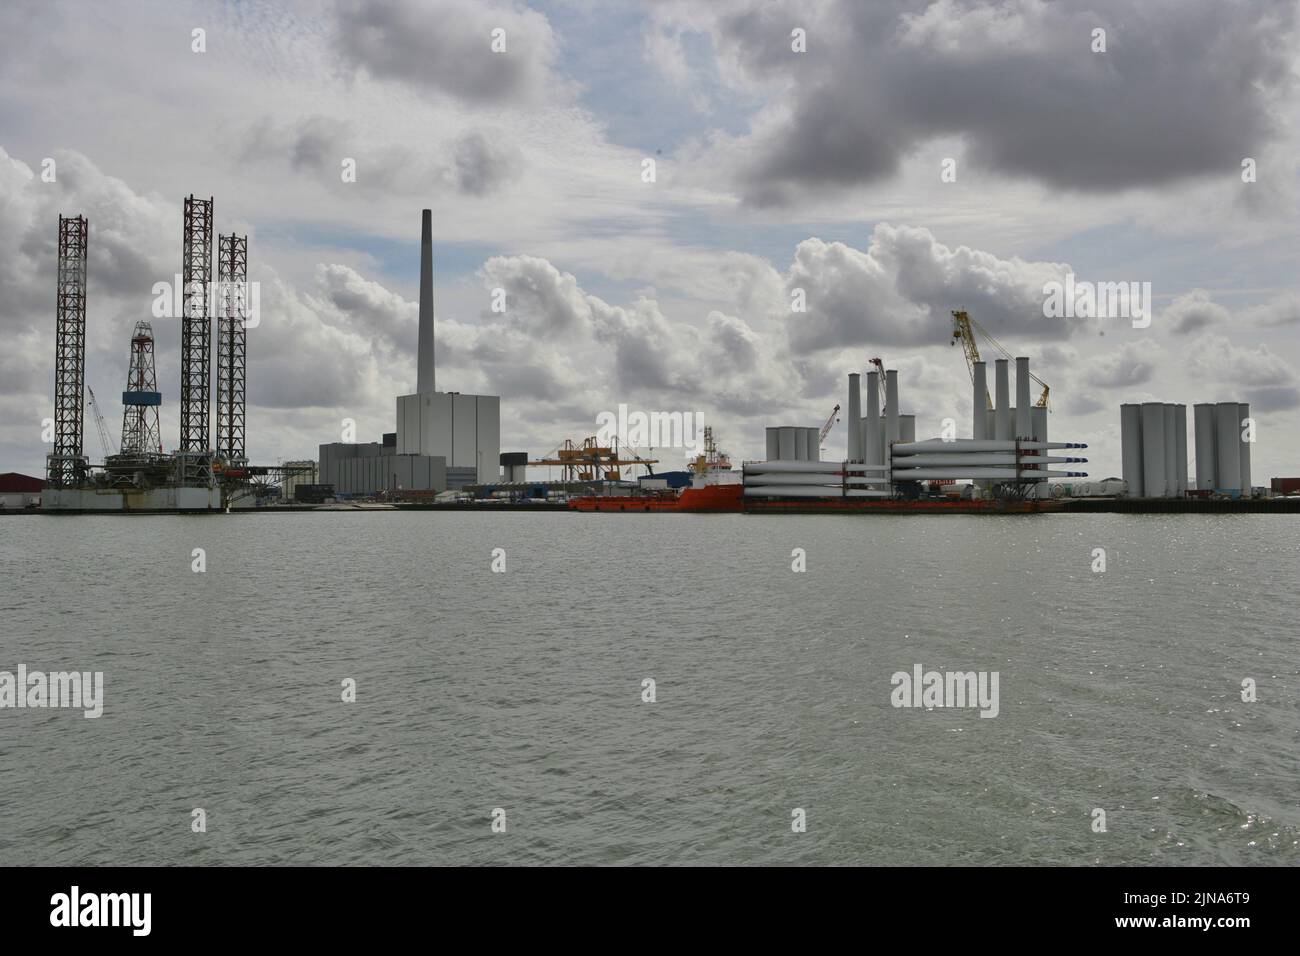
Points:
x=141 y=398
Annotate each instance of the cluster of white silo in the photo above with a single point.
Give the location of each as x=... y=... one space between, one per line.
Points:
x=1153 y=441
x=1153 y=446
x=1222 y=451
x=794 y=443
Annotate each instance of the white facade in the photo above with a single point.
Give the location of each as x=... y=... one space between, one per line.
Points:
x=463 y=429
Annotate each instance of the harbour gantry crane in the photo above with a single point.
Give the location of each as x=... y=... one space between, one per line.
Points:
x=963 y=330
x=590 y=461
x=99 y=423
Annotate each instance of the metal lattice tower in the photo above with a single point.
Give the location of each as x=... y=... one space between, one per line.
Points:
x=140 y=432
x=67 y=465
x=196 y=325
x=232 y=281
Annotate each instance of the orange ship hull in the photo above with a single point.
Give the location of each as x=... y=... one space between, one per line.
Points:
x=715 y=498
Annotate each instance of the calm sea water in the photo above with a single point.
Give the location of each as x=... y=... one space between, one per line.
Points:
x=522 y=690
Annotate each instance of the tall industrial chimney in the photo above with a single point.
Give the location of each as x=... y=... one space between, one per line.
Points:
x=424 y=383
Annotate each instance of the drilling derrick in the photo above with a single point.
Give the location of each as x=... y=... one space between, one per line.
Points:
x=196 y=325
x=140 y=432
x=67 y=465
x=232 y=282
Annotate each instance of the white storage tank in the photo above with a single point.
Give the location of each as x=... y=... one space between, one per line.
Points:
x=1227 y=438
x=1203 y=419
x=787 y=444
x=1153 y=450
x=1243 y=413
x=1130 y=437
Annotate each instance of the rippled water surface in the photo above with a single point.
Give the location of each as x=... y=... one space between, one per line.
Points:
x=522 y=690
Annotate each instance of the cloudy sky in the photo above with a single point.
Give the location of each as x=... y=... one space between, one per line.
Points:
x=775 y=169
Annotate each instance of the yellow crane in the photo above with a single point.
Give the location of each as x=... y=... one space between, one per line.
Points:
x=963 y=330
x=589 y=461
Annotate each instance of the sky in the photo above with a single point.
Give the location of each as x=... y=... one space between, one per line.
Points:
x=831 y=179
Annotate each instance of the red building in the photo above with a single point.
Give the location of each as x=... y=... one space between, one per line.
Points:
x=20 y=491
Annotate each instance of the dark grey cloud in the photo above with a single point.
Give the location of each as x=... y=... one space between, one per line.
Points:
x=445 y=45
x=1125 y=367
x=1186 y=88
x=483 y=163
x=1193 y=312
x=318 y=142
x=902 y=288
x=1277 y=399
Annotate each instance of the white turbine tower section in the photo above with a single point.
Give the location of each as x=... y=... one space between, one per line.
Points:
x=855 y=417
x=1024 y=428
x=871 y=432
x=979 y=402
x=1002 y=398
x=891 y=407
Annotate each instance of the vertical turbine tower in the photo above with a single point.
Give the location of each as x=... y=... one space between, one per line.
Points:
x=140 y=432
x=232 y=280
x=196 y=324
x=67 y=465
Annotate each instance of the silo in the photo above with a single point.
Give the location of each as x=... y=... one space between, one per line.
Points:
x=1153 y=450
x=1227 y=436
x=1130 y=439
x=855 y=417
x=1171 y=449
x=801 y=444
x=1002 y=401
x=773 y=444
x=1242 y=414
x=907 y=428
x=1203 y=418
x=814 y=444
x=871 y=422
x=787 y=444
x=979 y=401
x=1023 y=425
x=1180 y=451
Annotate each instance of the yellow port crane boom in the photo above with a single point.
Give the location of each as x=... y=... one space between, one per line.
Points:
x=963 y=330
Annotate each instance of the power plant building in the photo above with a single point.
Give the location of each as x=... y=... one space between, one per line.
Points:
x=465 y=430
x=444 y=440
